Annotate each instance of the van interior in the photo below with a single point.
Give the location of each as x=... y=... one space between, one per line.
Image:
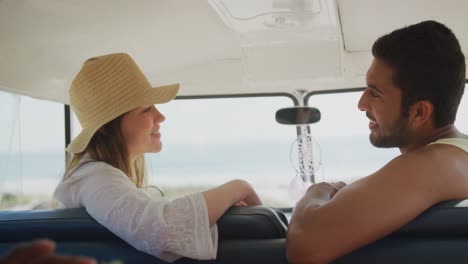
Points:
x=269 y=92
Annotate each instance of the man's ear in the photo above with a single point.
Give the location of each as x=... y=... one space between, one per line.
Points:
x=421 y=113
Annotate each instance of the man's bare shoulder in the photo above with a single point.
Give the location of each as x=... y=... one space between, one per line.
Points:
x=440 y=167
x=443 y=158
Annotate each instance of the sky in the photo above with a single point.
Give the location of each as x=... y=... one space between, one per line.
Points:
x=189 y=121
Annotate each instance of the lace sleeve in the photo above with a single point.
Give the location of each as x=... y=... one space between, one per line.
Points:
x=163 y=228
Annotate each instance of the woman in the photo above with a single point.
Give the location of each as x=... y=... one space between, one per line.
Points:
x=114 y=103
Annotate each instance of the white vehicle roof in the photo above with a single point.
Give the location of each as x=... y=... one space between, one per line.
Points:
x=214 y=47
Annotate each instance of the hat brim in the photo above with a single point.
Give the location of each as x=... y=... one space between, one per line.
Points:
x=156 y=95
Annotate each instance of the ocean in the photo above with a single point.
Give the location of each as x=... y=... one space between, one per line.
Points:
x=266 y=165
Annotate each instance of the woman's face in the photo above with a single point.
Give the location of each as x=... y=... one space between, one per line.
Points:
x=140 y=129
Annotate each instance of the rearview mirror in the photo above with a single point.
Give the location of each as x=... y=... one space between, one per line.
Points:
x=298 y=115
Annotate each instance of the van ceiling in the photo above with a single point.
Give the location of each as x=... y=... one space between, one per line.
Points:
x=43 y=43
x=363 y=21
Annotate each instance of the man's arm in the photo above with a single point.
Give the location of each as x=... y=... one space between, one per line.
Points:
x=322 y=230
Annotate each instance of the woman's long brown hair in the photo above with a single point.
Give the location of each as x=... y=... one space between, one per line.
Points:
x=108 y=145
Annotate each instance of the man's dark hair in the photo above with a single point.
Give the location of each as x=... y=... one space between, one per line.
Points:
x=428 y=64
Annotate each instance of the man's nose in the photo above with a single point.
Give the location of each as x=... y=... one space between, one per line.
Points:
x=362 y=104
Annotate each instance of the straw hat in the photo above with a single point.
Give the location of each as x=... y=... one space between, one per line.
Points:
x=107 y=87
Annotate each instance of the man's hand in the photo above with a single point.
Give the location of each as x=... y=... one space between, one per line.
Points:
x=323 y=191
x=41 y=252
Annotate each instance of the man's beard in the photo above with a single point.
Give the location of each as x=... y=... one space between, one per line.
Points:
x=397 y=137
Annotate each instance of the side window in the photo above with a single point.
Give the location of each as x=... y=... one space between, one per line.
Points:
x=32 y=142
x=343 y=137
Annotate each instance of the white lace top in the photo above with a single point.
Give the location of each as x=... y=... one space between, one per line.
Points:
x=163 y=228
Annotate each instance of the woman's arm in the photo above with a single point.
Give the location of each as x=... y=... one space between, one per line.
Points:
x=219 y=199
x=167 y=229
x=163 y=228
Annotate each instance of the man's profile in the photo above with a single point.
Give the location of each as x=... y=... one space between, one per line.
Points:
x=414 y=86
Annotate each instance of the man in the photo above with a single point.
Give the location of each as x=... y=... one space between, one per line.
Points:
x=414 y=87
x=41 y=252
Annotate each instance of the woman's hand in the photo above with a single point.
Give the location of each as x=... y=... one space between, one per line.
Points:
x=236 y=192
x=251 y=197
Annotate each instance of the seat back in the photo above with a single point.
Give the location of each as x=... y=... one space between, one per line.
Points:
x=439 y=235
x=247 y=234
